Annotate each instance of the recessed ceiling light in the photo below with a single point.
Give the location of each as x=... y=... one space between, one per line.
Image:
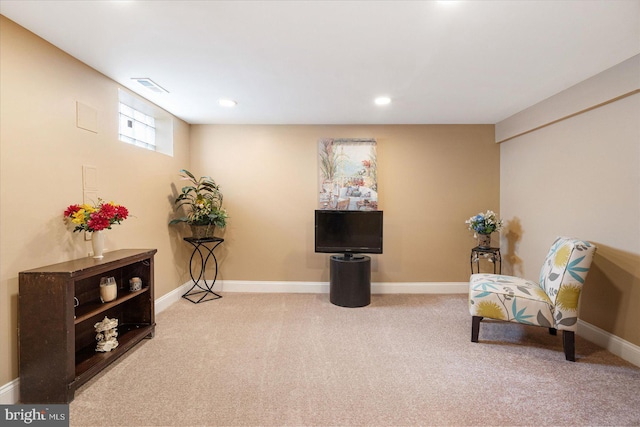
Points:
x=227 y=102
x=382 y=100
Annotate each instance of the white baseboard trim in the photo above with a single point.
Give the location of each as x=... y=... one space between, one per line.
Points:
x=272 y=287
x=323 y=287
x=420 y=288
x=167 y=299
x=10 y=392
x=614 y=344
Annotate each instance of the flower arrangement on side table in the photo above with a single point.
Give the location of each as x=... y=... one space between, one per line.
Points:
x=202 y=201
x=483 y=224
x=94 y=219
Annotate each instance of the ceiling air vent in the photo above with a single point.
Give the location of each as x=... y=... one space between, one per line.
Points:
x=150 y=84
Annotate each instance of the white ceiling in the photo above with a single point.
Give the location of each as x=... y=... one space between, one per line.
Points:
x=323 y=62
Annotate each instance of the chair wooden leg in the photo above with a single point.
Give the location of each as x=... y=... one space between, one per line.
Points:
x=553 y=331
x=569 y=345
x=475 y=328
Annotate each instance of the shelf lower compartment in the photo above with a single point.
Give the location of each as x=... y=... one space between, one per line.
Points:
x=89 y=362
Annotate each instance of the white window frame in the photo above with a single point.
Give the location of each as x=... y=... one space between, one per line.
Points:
x=156 y=118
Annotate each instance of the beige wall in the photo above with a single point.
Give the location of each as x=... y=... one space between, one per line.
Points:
x=41 y=157
x=580 y=177
x=431 y=179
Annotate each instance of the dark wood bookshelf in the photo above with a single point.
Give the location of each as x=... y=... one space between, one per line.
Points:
x=57 y=338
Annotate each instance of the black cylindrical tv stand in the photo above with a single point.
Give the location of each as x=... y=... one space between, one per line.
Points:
x=350 y=284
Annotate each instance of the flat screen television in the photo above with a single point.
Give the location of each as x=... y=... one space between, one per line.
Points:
x=348 y=232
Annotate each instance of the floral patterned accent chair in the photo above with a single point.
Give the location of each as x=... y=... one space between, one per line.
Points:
x=552 y=303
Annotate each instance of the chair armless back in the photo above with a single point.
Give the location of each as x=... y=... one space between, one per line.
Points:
x=562 y=275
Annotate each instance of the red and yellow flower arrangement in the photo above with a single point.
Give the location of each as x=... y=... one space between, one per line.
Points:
x=95 y=218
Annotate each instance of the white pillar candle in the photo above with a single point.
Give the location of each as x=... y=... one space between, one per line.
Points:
x=108 y=292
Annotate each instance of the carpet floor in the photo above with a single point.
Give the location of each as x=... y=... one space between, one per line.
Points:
x=405 y=360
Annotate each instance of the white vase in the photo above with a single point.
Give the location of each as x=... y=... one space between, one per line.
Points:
x=97 y=243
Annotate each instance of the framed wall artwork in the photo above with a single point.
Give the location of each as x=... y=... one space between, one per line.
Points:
x=348 y=178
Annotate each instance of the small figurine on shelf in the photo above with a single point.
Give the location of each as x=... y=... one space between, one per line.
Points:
x=106 y=334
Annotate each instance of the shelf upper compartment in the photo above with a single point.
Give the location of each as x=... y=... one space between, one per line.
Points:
x=88 y=310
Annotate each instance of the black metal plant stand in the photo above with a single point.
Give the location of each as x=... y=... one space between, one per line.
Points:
x=491 y=254
x=203 y=289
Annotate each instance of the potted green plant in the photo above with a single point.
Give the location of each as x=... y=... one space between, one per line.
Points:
x=202 y=201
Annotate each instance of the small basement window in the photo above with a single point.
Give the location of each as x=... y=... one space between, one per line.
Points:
x=137 y=128
x=144 y=125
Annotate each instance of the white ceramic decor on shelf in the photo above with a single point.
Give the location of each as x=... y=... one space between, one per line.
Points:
x=97 y=243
